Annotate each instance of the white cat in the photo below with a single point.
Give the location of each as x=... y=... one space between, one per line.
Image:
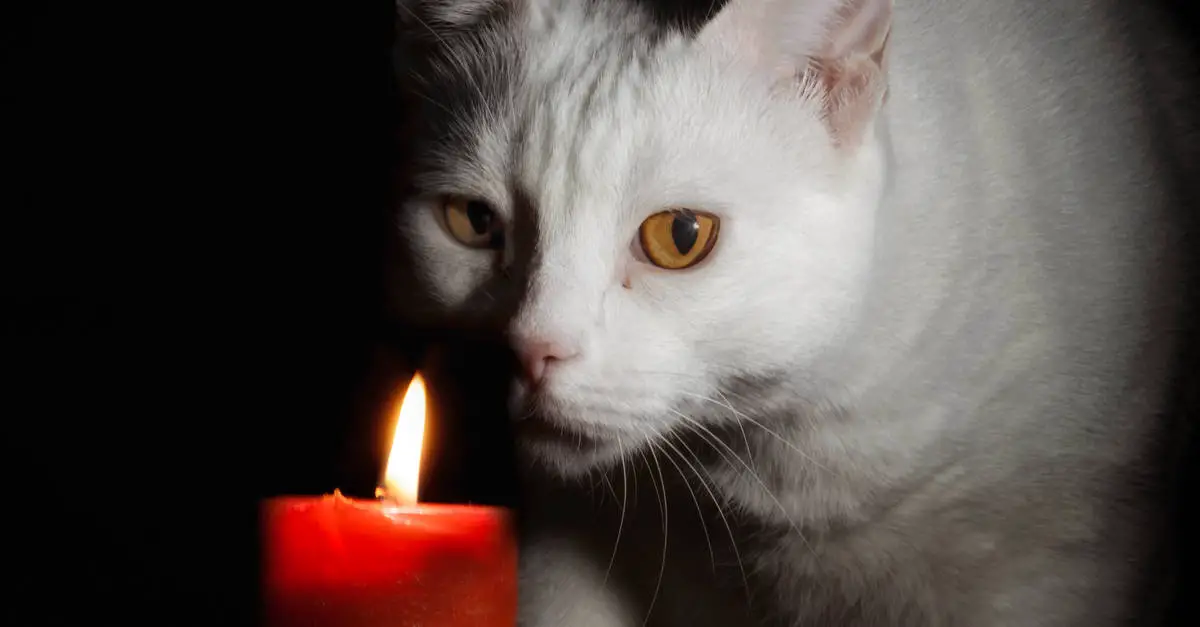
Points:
x=831 y=313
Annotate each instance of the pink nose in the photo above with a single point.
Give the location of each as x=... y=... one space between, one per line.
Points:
x=538 y=355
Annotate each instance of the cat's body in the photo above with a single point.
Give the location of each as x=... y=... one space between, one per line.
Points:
x=935 y=349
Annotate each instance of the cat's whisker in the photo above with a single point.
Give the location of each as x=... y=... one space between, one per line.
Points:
x=636 y=375
x=608 y=484
x=722 y=503
x=791 y=446
x=665 y=508
x=741 y=396
x=768 y=430
x=432 y=102
x=745 y=440
x=699 y=428
x=621 y=522
x=754 y=475
x=655 y=442
x=634 y=475
x=716 y=503
x=726 y=404
x=691 y=425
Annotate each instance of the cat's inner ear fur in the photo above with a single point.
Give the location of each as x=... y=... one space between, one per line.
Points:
x=835 y=50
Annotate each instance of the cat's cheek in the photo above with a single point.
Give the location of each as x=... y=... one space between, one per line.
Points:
x=448 y=272
x=451 y=276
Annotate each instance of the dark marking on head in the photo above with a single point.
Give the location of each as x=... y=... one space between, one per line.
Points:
x=449 y=77
x=459 y=67
x=687 y=16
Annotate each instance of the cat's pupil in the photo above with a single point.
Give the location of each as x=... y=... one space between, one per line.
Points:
x=480 y=216
x=685 y=230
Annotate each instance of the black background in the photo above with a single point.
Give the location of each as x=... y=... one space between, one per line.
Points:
x=194 y=201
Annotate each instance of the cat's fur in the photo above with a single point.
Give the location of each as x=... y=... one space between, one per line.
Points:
x=921 y=372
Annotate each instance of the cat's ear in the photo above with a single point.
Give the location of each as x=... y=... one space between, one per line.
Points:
x=836 y=49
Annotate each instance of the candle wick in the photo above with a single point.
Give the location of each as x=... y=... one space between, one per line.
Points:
x=389 y=495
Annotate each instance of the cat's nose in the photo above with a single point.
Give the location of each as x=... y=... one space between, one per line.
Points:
x=537 y=356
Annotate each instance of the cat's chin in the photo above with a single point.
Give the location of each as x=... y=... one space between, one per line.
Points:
x=565 y=451
x=570 y=439
x=567 y=463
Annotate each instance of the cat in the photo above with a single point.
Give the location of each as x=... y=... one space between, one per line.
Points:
x=829 y=312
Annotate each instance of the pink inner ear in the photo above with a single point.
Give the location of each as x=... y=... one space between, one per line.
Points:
x=855 y=88
x=838 y=45
x=853 y=68
x=860 y=27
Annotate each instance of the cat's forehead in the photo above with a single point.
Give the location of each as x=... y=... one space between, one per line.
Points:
x=547 y=108
x=584 y=116
x=597 y=112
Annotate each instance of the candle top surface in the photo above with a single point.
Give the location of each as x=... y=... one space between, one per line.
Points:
x=389 y=511
x=319 y=541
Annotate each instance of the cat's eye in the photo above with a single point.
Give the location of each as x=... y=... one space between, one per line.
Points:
x=472 y=222
x=678 y=238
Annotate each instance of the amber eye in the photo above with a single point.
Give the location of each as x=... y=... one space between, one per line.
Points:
x=678 y=238
x=473 y=222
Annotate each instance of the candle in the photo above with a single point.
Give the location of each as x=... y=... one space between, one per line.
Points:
x=335 y=561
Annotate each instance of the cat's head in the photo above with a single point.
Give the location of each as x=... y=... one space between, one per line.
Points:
x=650 y=214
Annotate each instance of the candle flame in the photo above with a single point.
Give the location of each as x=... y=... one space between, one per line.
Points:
x=400 y=480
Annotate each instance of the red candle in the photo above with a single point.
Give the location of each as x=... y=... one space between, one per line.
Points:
x=333 y=561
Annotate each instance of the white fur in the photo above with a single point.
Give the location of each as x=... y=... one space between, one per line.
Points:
x=959 y=317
